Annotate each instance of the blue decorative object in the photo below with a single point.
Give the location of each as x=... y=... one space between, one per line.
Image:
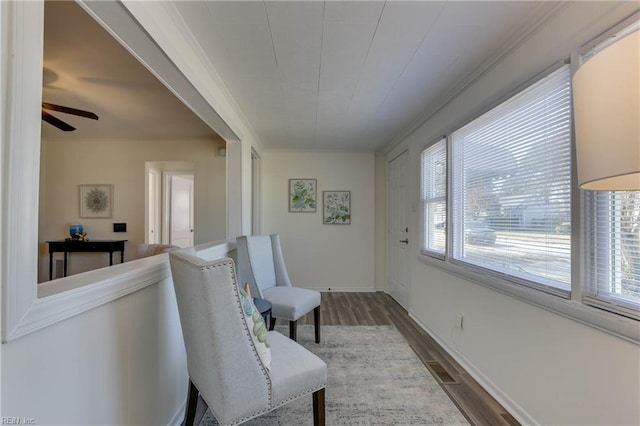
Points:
x=75 y=230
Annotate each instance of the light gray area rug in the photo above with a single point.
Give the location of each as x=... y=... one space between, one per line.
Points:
x=374 y=378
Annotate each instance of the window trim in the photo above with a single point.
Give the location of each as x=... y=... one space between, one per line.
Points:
x=455 y=248
x=573 y=306
x=617 y=325
x=579 y=57
x=423 y=250
x=612 y=303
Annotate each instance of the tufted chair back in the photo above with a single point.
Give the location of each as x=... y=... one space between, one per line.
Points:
x=222 y=361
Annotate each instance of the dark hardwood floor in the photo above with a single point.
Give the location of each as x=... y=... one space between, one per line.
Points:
x=380 y=309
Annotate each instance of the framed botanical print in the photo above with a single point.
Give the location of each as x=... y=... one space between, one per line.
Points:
x=302 y=195
x=336 y=207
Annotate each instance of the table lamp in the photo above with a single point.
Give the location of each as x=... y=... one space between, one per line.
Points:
x=606 y=99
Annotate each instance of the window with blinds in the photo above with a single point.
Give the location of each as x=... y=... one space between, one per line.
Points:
x=511 y=187
x=434 y=198
x=612 y=230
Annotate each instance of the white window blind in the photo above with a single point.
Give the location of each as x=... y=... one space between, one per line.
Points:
x=612 y=229
x=511 y=187
x=434 y=198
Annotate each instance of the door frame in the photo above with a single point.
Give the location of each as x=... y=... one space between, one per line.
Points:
x=390 y=158
x=162 y=194
x=166 y=200
x=256 y=175
x=153 y=196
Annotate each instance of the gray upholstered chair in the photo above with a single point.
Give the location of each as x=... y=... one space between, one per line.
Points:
x=261 y=264
x=225 y=363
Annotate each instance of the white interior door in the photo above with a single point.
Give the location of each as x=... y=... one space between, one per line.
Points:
x=398 y=229
x=181 y=210
x=154 y=206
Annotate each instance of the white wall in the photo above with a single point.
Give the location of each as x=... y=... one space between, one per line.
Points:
x=340 y=257
x=488 y=342
x=121 y=363
x=3 y=91
x=66 y=164
x=170 y=33
x=545 y=368
x=381 y=224
x=549 y=369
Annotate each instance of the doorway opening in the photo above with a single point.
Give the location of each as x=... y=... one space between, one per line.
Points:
x=255 y=192
x=169 y=213
x=398 y=229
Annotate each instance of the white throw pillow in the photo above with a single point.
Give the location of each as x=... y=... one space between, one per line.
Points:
x=257 y=328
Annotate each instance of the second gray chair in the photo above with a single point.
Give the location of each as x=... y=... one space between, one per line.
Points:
x=261 y=264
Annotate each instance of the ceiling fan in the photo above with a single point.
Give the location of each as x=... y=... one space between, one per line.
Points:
x=54 y=121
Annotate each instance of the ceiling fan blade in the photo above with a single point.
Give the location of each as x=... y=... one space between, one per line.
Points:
x=57 y=122
x=67 y=110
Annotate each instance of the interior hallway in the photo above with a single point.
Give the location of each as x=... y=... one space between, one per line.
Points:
x=378 y=308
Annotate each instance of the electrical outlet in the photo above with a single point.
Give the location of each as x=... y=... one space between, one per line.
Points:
x=458 y=321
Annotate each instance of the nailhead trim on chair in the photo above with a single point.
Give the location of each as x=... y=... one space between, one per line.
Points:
x=248 y=333
x=298 y=395
x=255 y=353
x=266 y=410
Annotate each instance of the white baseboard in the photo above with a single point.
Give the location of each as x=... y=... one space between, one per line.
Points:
x=344 y=289
x=177 y=418
x=498 y=394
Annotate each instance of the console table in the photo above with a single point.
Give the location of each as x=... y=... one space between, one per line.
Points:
x=75 y=246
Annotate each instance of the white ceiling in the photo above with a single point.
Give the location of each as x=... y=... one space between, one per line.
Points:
x=86 y=68
x=306 y=75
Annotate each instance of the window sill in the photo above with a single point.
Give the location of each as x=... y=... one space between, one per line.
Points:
x=617 y=325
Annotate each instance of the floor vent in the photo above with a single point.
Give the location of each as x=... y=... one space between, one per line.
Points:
x=441 y=373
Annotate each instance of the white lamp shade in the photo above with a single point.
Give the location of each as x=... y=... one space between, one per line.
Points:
x=606 y=95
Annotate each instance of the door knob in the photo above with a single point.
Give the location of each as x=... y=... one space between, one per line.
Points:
x=406 y=241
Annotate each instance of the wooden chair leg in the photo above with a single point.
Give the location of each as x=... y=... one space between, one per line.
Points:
x=293 y=328
x=316 y=321
x=318 y=408
x=272 y=323
x=192 y=404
